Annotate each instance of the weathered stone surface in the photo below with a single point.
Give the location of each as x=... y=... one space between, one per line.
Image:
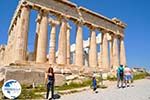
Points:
x=42 y=39
x=77 y=81
x=115 y=53
x=89 y=71
x=59 y=79
x=59 y=6
x=79 y=46
x=2 y=50
x=2 y=75
x=71 y=77
x=27 y=77
x=105 y=56
x=93 y=50
x=93 y=18
x=30 y=56
x=122 y=53
x=22 y=35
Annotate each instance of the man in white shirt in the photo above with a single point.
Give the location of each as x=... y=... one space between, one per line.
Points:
x=127 y=76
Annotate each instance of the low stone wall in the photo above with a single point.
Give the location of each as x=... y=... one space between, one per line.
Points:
x=28 y=76
x=25 y=76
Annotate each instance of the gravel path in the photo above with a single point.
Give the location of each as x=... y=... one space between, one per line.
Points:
x=139 y=91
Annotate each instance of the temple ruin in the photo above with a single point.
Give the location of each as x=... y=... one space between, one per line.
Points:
x=16 y=49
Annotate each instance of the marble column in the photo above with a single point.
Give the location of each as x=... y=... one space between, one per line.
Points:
x=79 y=46
x=93 y=50
x=22 y=34
x=115 y=53
x=105 y=58
x=7 y=51
x=41 y=56
x=122 y=52
x=111 y=53
x=68 y=44
x=9 y=47
x=100 y=60
x=62 y=43
x=36 y=34
x=13 y=45
x=52 y=43
x=101 y=52
x=100 y=56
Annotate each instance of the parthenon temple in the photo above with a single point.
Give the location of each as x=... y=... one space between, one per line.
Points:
x=112 y=52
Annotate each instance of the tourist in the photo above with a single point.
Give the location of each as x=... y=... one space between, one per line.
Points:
x=127 y=76
x=120 y=76
x=94 y=83
x=49 y=80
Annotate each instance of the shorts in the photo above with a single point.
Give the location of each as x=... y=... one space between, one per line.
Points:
x=120 y=77
x=128 y=77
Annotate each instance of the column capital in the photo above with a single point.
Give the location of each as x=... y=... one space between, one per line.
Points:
x=53 y=22
x=92 y=27
x=38 y=19
x=121 y=37
x=44 y=10
x=114 y=36
x=25 y=4
x=79 y=22
x=104 y=31
x=62 y=18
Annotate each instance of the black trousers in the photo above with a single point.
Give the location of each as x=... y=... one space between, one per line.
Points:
x=50 y=87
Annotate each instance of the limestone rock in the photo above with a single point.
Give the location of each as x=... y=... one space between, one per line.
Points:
x=59 y=79
x=71 y=77
x=2 y=75
x=77 y=81
x=27 y=77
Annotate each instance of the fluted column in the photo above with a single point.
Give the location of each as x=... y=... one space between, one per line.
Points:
x=13 y=45
x=52 y=47
x=105 y=58
x=93 y=50
x=42 y=39
x=9 y=48
x=68 y=44
x=22 y=34
x=36 y=34
x=100 y=57
x=7 y=51
x=62 y=43
x=111 y=53
x=115 y=53
x=122 y=53
x=79 y=46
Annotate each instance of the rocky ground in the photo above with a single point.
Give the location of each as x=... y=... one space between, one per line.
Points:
x=140 y=90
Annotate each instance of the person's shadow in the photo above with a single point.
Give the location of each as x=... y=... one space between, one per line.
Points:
x=56 y=96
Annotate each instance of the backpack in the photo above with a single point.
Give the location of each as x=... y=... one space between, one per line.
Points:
x=121 y=71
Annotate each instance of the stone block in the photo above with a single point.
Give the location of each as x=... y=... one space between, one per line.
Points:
x=2 y=75
x=59 y=80
x=27 y=77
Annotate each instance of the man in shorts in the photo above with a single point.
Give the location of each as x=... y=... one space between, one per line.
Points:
x=127 y=76
x=120 y=76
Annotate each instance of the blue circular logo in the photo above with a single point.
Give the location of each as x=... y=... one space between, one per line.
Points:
x=11 y=89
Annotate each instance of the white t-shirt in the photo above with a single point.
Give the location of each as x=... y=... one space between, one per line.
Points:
x=127 y=71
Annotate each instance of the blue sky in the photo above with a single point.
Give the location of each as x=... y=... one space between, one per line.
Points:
x=135 y=13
